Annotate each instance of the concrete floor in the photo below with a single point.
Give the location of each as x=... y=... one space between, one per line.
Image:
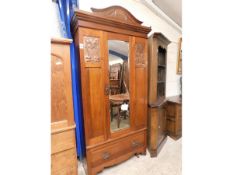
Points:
x=168 y=162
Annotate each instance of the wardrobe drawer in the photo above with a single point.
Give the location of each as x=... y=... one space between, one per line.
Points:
x=114 y=150
x=62 y=141
x=64 y=163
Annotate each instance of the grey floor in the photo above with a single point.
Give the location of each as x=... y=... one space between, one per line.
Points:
x=168 y=162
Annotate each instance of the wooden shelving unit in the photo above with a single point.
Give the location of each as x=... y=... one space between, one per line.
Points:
x=157 y=92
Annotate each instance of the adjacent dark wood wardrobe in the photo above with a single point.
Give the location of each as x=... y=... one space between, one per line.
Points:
x=112 y=46
x=63 y=144
x=157 y=134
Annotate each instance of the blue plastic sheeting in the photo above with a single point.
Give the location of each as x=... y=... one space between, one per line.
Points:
x=66 y=12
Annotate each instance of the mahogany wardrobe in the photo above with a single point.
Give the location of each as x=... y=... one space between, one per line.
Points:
x=112 y=46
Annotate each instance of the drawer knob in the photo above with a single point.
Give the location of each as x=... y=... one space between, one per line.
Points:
x=106 y=155
x=159 y=126
x=135 y=144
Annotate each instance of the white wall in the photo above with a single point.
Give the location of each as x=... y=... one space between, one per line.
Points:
x=113 y=59
x=144 y=14
x=56 y=31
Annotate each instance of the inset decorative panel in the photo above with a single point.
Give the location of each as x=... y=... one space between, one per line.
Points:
x=58 y=100
x=91 y=49
x=139 y=53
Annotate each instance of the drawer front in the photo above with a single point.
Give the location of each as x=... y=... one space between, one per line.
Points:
x=62 y=141
x=64 y=162
x=112 y=151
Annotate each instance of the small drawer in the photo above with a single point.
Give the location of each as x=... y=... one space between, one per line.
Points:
x=62 y=141
x=114 y=150
x=61 y=162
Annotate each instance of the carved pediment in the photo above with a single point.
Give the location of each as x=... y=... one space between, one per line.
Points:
x=117 y=13
x=114 y=19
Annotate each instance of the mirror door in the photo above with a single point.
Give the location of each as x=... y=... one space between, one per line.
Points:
x=118 y=84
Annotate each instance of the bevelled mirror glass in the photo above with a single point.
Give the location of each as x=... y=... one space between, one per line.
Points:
x=118 y=59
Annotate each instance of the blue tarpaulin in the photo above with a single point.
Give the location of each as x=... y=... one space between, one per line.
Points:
x=66 y=10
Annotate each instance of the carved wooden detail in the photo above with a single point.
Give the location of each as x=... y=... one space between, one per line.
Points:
x=139 y=53
x=117 y=13
x=91 y=49
x=112 y=19
x=59 y=103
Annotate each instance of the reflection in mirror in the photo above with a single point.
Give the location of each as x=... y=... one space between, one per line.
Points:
x=119 y=84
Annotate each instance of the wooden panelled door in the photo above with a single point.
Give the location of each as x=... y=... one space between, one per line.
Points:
x=61 y=91
x=95 y=79
x=92 y=68
x=140 y=54
x=95 y=83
